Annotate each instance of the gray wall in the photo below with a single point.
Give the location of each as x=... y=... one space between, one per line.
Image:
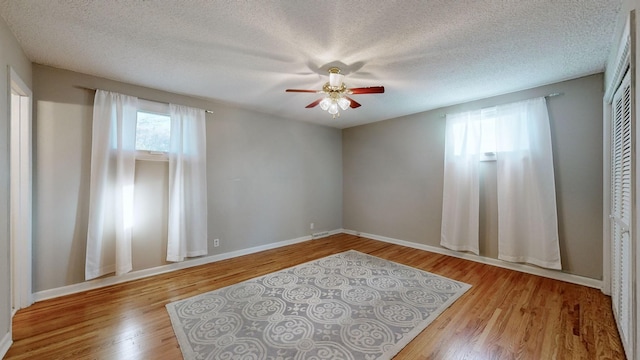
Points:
x=393 y=173
x=268 y=178
x=10 y=55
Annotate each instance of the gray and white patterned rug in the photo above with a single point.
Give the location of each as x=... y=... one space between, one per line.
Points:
x=345 y=306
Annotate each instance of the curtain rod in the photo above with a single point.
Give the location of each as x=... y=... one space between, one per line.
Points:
x=164 y=102
x=545 y=96
x=536 y=97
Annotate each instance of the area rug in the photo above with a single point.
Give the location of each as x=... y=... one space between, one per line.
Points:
x=345 y=306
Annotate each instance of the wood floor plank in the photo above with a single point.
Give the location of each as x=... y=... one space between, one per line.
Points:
x=505 y=315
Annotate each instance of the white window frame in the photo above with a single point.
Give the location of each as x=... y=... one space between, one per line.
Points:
x=155 y=108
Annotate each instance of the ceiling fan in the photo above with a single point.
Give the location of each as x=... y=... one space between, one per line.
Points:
x=337 y=94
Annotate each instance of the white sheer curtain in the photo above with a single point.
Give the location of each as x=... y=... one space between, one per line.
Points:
x=111 y=184
x=187 y=184
x=460 y=205
x=527 y=213
x=520 y=136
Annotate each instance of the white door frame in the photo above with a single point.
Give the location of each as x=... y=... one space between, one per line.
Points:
x=20 y=221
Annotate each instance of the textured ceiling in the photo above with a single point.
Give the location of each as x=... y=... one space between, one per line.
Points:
x=427 y=54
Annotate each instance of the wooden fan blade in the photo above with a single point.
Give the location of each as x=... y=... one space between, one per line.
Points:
x=303 y=91
x=367 y=90
x=314 y=104
x=354 y=104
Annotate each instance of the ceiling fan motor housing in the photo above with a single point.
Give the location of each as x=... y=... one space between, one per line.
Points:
x=335 y=78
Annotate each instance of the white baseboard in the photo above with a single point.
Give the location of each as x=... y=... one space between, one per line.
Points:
x=139 y=274
x=134 y=275
x=5 y=344
x=529 y=269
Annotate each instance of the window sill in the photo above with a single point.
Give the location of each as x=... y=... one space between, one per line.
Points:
x=152 y=156
x=488 y=156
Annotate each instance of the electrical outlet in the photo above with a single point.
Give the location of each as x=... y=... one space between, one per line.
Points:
x=216 y=242
x=311 y=226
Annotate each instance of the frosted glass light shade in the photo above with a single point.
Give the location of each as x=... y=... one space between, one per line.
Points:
x=344 y=103
x=333 y=109
x=324 y=104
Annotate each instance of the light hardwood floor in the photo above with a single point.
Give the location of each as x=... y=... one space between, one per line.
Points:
x=505 y=315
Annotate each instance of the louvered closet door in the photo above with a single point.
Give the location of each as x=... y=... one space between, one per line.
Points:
x=621 y=212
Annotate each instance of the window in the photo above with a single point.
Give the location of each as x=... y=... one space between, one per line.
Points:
x=153 y=131
x=477 y=133
x=526 y=196
x=474 y=133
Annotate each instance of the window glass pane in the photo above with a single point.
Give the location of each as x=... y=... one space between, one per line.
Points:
x=474 y=134
x=488 y=133
x=153 y=132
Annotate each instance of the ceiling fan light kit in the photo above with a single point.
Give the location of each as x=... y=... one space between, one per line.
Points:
x=336 y=94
